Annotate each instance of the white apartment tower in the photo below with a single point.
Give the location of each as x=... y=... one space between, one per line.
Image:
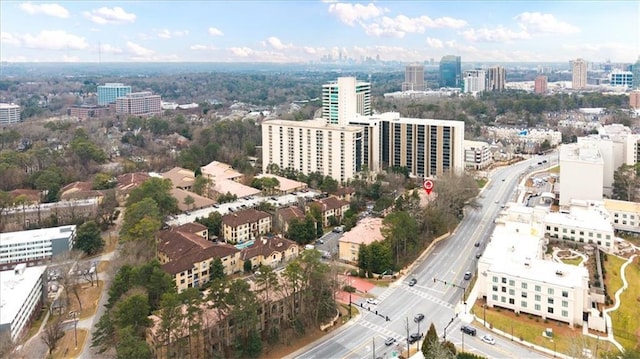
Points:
x=579 y=74
x=314 y=145
x=581 y=172
x=9 y=113
x=474 y=81
x=344 y=98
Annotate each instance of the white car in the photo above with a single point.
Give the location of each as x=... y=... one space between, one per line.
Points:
x=373 y=301
x=488 y=339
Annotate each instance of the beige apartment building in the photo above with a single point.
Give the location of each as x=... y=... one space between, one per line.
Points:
x=579 y=74
x=242 y=226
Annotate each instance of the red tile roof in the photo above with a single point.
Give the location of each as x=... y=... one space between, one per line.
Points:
x=266 y=246
x=249 y=215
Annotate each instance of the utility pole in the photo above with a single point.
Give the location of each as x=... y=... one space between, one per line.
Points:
x=408 y=337
x=374 y=347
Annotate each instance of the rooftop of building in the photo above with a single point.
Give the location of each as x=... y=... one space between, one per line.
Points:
x=229 y=186
x=614 y=205
x=395 y=117
x=220 y=171
x=469 y=143
x=289 y=213
x=586 y=151
x=9 y=105
x=180 y=177
x=266 y=246
x=239 y=218
x=330 y=203
x=198 y=201
x=286 y=184
x=584 y=215
x=129 y=181
x=316 y=123
x=15 y=289
x=34 y=234
x=367 y=231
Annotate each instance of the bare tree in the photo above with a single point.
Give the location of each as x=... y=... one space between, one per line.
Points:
x=6 y=344
x=52 y=334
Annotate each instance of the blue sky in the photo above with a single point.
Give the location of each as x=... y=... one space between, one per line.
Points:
x=301 y=31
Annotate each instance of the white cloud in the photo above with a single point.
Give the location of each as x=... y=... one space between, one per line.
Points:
x=200 y=47
x=215 y=32
x=47 y=9
x=138 y=51
x=9 y=39
x=168 y=34
x=434 y=43
x=277 y=43
x=499 y=34
x=310 y=50
x=351 y=13
x=110 y=49
x=67 y=58
x=241 y=51
x=105 y=15
x=535 y=22
x=53 y=40
x=401 y=24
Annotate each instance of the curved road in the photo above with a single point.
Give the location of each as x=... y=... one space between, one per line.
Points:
x=440 y=303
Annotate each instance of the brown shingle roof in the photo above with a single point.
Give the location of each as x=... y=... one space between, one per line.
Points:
x=217 y=250
x=266 y=246
x=129 y=181
x=180 y=177
x=249 y=215
x=191 y=227
x=289 y=213
x=175 y=244
x=331 y=203
x=344 y=190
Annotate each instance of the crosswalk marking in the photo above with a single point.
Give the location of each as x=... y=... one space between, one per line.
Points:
x=429 y=297
x=384 y=331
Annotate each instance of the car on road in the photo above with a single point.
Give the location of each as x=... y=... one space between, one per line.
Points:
x=488 y=339
x=319 y=241
x=468 y=330
x=413 y=282
x=414 y=337
x=477 y=244
x=389 y=341
x=497 y=202
x=418 y=317
x=467 y=275
x=373 y=301
x=338 y=229
x=478 y=255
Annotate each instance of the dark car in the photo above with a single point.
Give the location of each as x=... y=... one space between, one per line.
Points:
x=413 y=282
x=477 y=244
x=468 y=330
x=389 y=341
x=418 y=317
x=414 y=337
x=478 y=255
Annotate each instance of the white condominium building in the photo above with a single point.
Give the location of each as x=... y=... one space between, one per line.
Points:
x=139 y=103
x=513 y=275
x=581 y=172
x=625 y=215
x=477 y=154
x=9 y=113
x=586 y=222
x=21 y=297
x=312 y=146
x=474 y=81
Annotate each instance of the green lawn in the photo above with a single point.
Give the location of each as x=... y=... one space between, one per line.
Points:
x=481 y=182
x=555 y=169
x=573 y=261
x=625 y=319
x=530 y=328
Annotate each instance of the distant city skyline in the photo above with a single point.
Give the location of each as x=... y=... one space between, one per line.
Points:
x=307 y=31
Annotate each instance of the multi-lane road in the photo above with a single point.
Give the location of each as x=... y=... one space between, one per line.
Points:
x=447 y=261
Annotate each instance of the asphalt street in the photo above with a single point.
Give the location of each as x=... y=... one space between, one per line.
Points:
x=446 y=262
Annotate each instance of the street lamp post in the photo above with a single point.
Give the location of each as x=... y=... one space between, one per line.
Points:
x=75 y=327
x=349 y=305
x=484 y=314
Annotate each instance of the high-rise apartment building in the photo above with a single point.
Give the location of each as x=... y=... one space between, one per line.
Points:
x=312 y=146
x=634 y=99
x=540 y=84
x=413 y=78
x=474 y=81
x=109 y=92
x=450 y=71
x=9 y=113
x=579 y=74
x=496 y=78
x=621 y=78
x=139 y=103
x=344 y=98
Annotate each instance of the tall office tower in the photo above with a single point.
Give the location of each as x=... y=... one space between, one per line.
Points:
x=635 y=68
x=139 y=103
x=345 y=98
x=109 y=92
x=9 y=113
x=413 y=78
x=450 y=71
x=540 y=84
x=474 y=81
x=312 y=146
x=496 y=78
x=579 y=74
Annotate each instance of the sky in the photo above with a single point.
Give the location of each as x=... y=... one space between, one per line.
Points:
x=305 y=30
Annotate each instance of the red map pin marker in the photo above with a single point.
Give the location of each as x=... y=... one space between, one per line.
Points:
x=427 y=185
